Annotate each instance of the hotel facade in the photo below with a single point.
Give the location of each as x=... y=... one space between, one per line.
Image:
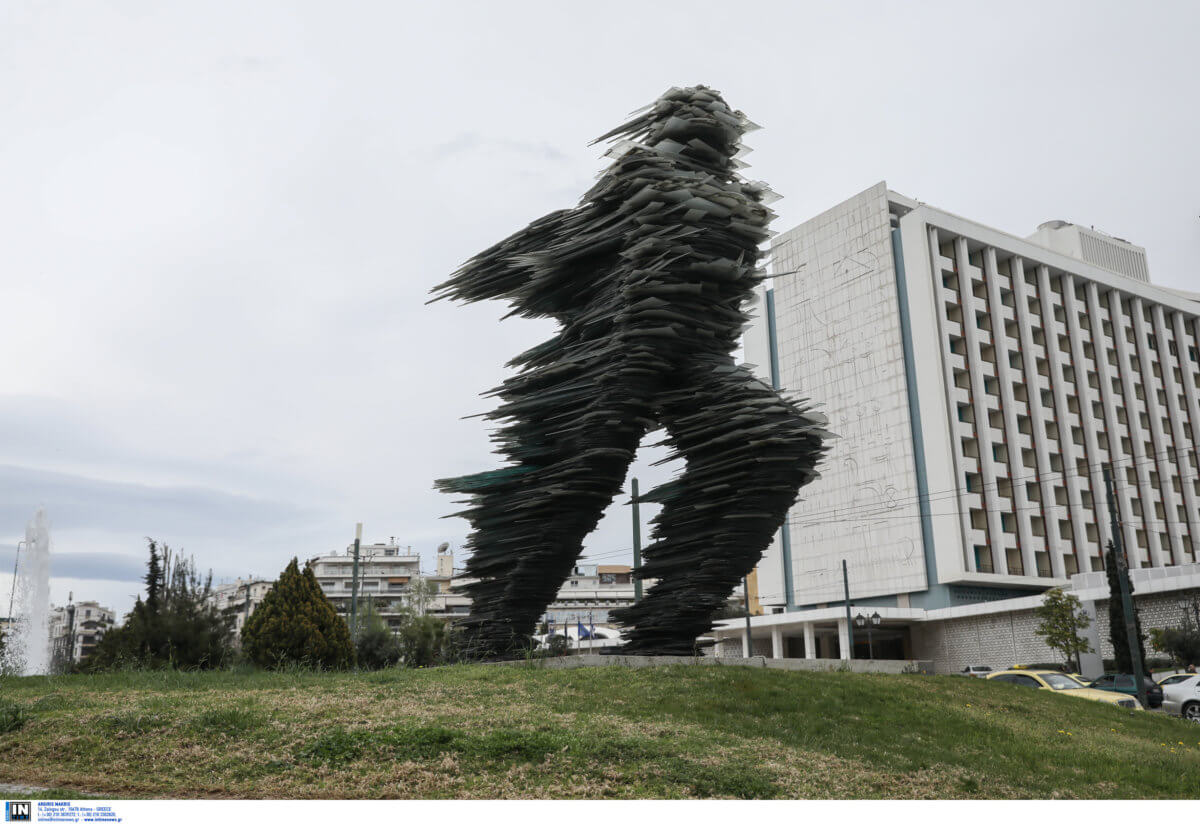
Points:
x=979 y=384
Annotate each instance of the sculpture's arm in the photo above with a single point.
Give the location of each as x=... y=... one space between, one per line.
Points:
x=502 y=271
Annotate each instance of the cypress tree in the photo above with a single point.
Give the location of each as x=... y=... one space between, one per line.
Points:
x=153 y=579
x=175 y=626
x=1123 y=660
x=296 y=624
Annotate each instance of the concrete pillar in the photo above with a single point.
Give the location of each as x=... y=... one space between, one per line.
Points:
x=746 y=645
x=810 y=641
x=1007 y=377
x=776 y=642
x=1037 y=414
x=1087 y=397
x=983 y=436
x=1071 y=452
x=1137 y=435
x=1091 y=664
x=844 y=639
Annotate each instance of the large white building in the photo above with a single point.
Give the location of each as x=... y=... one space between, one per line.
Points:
x=979 y=383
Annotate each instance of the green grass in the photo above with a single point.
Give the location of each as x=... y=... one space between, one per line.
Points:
x=519 y=732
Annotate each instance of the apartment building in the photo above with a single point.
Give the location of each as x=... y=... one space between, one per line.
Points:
x=590 y=593
x=980 y=383
x=76 y=629
x=387 y=578
x=238 y=600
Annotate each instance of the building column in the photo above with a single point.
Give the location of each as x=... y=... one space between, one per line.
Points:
x=1059 y=362
x=983 y=435
x=844 y=639
x=1091 y=665
x=1137 y=435
x=1111 y=424
x=1019 y=504
x=776 y=642
x=810 y=641
x=1179 y=436
x=1088 y=398
x=1044 y=474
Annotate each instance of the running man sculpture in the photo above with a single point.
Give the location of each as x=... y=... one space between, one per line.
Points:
x=647 y=278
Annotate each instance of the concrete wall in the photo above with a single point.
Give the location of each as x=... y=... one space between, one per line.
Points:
x=840 y=344
x=1156 y=612
x=1004 y=639
x=996 y=641
x=795 y=664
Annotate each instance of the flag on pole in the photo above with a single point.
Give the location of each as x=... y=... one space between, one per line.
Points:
x=583 y=633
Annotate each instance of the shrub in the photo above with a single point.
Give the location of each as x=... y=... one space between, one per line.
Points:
x=12 y=716
x=424 y=641
x=296 y=624
x=376 y=646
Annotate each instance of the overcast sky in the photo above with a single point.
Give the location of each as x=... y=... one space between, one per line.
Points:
x=219 y=222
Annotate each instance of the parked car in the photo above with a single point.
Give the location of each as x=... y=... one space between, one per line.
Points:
x=1181 y=695
x=1074 y=676
x=1058 y=682
x=1165 y=678
x=1125 y=683
x=976 y=672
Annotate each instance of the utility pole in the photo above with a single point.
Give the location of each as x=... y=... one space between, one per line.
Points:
x=70 y=658
x=849 y=622
x=354 y=585
x=1118 y=552
x=17 y=560
x=246 y=606
x=748 y=646
x=637 y=543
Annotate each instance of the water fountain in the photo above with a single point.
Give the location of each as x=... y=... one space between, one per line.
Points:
x=27 y=644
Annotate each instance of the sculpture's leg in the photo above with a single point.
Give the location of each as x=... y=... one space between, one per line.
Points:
x=748 y=452
x=571 y=452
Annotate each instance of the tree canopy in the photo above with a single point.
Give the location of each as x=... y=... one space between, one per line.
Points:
x=296 y=624
x=176 y=626
x=1061 y=617
x=1117 y=633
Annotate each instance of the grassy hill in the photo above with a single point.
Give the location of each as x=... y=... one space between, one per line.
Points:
x=516 y=732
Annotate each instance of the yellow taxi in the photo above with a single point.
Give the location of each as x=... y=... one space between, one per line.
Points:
x=1058 y=682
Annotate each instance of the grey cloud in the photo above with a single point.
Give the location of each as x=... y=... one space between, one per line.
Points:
x=92 y=566
x=76 y=502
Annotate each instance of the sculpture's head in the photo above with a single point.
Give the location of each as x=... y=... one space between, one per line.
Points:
x=694 y=121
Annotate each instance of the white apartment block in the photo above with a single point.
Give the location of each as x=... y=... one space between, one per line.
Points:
x=387 y=578
x=979 y=383
x=76 y=629
x=590 y=593
x=238 y=600
x=446 y=603
x=390 y=579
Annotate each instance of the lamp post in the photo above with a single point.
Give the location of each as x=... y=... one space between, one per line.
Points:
x=870 y=623
x=13 y=594
x=354 y=585
x=637 y=542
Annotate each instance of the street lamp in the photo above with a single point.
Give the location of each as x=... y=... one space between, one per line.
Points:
x=12 y=596
x=861 y=621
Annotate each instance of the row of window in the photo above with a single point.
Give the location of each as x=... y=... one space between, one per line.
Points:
x=987 y=352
